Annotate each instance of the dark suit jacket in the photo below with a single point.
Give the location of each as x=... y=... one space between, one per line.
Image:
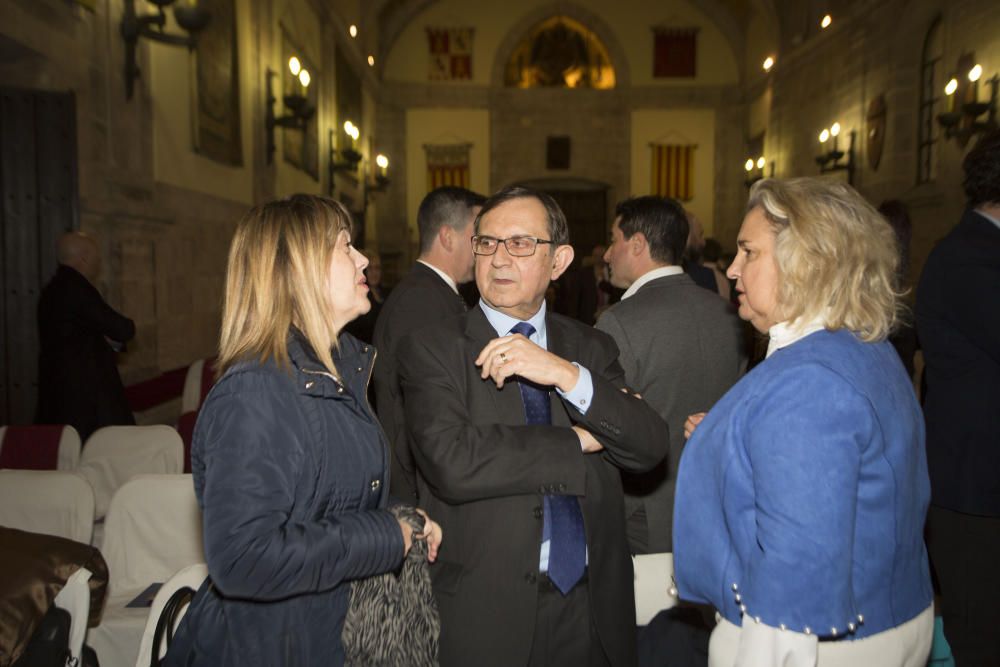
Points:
x=422 y=298
x=483 y=473
x=78 y=381
x=681 y=348
x=702 y=276
x=578 y=294
x=958 y=323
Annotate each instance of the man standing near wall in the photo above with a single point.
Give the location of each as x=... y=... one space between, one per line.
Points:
x=78 y=381
x=680 y=347
x=958 y=324
x=427 y=295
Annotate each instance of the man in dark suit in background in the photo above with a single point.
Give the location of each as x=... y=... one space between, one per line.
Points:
x=958 y=324
x=520 y=428
x=680 y=347
x=584 y=293
x=428 y=294
x=78 y=381
x=700 y=274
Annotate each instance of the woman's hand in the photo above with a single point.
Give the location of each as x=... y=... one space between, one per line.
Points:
x=432 y=533
x=692 y=423
x=407 y=531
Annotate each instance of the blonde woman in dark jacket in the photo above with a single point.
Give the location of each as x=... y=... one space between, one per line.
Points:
x=290 y=465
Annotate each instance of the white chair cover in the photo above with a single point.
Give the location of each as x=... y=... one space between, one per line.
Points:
x=114 y=454
x=191 y=576
x=654 y=585
x=69 y=447
x=191 y=398
x=52 y=502
x=75 y=598
x=152 y=530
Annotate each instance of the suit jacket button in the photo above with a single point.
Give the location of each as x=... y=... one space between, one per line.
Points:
x=537 y=511
x=376 y=483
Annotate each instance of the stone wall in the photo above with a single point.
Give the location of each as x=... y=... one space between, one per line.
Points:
x=876 y=49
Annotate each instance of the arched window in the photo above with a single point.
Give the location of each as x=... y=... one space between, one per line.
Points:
x=560 y=52
x=930 y=84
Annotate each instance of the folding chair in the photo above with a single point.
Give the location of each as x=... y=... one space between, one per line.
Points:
x=199 y=379
x=52 y=502
x=114 y=454
x=39 y=447
x=654 y=587
x=192 y=577
x=152 y=530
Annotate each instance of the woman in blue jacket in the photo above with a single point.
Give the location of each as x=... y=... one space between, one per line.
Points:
x=801 y=495
x=290 y=465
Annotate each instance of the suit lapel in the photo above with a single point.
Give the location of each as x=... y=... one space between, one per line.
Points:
x=507 y=401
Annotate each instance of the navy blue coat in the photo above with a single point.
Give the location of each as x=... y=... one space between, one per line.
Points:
x=958 y=323
x=290 y=470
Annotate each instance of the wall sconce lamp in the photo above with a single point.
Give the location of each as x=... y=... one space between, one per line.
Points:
x=296 y=103
x=831 y=160
x=381 y=176
x=189 y=15
x=961 y=122
x=755 y=170
x=350 y=154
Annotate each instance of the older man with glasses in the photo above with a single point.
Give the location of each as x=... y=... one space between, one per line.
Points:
x=520 y=426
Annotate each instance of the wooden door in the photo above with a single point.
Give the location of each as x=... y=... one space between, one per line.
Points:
x=38 y=201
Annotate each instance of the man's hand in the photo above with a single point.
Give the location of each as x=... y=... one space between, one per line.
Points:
x=692 y=423
x=516 y=355
x=588 y=443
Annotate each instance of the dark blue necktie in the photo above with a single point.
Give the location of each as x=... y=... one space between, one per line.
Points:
x=563 y=525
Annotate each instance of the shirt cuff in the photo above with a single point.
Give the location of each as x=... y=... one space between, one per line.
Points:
x=582 y=393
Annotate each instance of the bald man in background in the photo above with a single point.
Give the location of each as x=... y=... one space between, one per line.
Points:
x=78 y=381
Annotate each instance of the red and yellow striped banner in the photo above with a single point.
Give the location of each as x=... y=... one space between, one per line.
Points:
x=447 y=164
x=673 y=171
x=449 y=175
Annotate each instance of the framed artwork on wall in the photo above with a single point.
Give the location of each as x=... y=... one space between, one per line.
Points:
x=215 y=96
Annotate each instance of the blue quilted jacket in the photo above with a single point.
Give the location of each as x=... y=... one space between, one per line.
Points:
x=290 y=470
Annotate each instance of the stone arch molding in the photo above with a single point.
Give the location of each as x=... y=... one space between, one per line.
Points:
x=514 y=36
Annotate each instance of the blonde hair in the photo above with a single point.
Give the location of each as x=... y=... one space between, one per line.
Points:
x=276 y=278
x=836 y=255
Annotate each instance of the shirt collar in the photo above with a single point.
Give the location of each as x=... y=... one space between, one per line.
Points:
x=987 y=216
x=503 y=323
x=660 y=272
x=784 y=334
x=444 y=276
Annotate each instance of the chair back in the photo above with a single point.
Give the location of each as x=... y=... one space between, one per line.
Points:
x=653 y=585
x=200 y=378
x=152 y=530
x=191 y=577
x=52 y=502
x=114 y=454
x=39 y=447
x=185 y=426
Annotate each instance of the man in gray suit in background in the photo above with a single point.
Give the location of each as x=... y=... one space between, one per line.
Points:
x=680 y=347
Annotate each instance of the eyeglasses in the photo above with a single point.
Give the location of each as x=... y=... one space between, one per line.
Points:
x=517 y=246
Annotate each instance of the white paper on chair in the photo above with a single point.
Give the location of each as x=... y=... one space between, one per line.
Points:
x=653 y=581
